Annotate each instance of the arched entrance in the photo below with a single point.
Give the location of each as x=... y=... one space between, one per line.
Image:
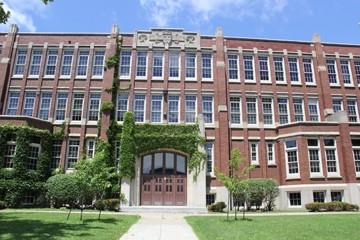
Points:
x=163 y=179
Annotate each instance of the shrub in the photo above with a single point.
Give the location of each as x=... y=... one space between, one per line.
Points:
x=107 y=106
x=315 y=207
x=99 y=205
x=331 y=207
x=112 y=204
x=62 y=189
x=217 y=207
x=2 y=205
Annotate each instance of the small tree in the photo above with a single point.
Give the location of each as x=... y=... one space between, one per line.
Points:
x=271 y=189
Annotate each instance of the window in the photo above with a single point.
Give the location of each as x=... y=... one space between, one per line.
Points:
x=122 y=106
x=45 y=103
x=206 y=63
x=283 y=110
x=314 y=157
x=292 y=159
x=98 y=64
x=174 y=65
x=20 y=61
x=173 y=105
x=357 y=70
x=337 y=104
x=209 y=148
x=294 y=69
x=190 y=65
x=51 y=62
x=157 y=64
x=77 y=107
x=264 y=69
x=270 y=153
x=190 y=109
x=254 y=153
x=94 y=106
x=125 y=63
x=82 y=62
x=210 y=199
x=235 y=110
x=139 y=108
x=67 y=60
x=352 y=109
x=29 y=103
x=298 y=109
x=346 y=72
x=332 y=73
x=233 y=67
x=207 y=108
x=294 y=199
x=73 y=152
x=267 y=105
x=336 y=196
x=251 y=109
x=249 y=68
x=61 y=104
x=33 y=155
x=313 y=109
x=319 y=196
x=331 y=156
x=141 y=60
x=308 y=71
x=56 y=154
x=356 y=153
x=13 y=102
x=279 y=69
x=9 y=154
x=156 y=108
x=35 y=62
x=90 y=147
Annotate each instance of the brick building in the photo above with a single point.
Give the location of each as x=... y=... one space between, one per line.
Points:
x=291 y=107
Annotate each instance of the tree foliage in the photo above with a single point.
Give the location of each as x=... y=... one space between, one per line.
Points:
x=127 y=147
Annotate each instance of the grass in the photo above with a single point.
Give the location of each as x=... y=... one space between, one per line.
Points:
x=314 y=227
x=44 y=226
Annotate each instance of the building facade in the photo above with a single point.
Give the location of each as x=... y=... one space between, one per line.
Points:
x=291 y=107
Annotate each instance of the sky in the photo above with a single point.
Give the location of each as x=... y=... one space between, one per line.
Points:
x=334 y=20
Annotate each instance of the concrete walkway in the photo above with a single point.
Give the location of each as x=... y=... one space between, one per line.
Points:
x=160 y=226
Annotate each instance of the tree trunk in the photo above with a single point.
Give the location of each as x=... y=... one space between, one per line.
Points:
x=228 y=208
x=99 y=215
x=68 y=215
x=235 y=213
x=81 y=212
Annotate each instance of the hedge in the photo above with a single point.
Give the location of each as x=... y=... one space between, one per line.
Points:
x=331 y=206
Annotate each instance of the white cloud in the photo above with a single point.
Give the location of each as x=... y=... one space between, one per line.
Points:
x=22 y=12
x=162 y=12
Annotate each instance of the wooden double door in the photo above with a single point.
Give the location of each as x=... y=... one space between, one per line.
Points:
x=163 y=179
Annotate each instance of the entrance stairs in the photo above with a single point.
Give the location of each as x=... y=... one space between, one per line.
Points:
x=164 y=209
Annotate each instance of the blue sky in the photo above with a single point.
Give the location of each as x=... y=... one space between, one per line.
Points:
x=334 y=20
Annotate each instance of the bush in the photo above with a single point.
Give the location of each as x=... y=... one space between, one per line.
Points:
x=217 y=207
x=2 y=205
x=63 y=189
x=99 y=205
x=315 y=207
x=331 y=207
x=112 y=204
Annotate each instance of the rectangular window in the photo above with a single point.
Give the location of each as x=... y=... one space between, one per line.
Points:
x=356 y=153
x=332 y=72
x=158 y=64
x=352 y=109
x=67 y=60
x=279 y=67
x=206 y=63
x=82 y=65
x=357 y=71
x=13 y=102
x=73 y=152
x=249 y=68
x=174 y=65
x=295 y=199
x=139 y=108
x=251 y=110
x=210 y=199
x=267 y=105
x=190 y=65
x=141 y=62
x=9 y=154
x=292 y=158
x=254 y=153
x=29 y=103
x=331 y=156
x=94 y=106
x=190 y=109
x=346 y=72
x=337 y=104
x=122 y=106
x=98 y=63
x=156 y=108
x=20 y=61
x=45 y=104
x=51 y=63
x=308 y=71
x=319 y=196
x=233 y=67
x=35 y=62
x=209 y=148
x=314 y=157
x=77 y=107
x=283 y=110
x=33 y=155
x=336 y=196
x=313 y=105
x=125 y=63
x=264 y=69
x=270 y=153
x=235 y=110
x=298 y=109
x=294 y=69
x=173 y=109
x=61 y=105
x=56 y=154
x=207 y=108
x=90 y=147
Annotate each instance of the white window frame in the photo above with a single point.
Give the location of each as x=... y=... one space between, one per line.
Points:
x=357 y=148
x=23 y=53
x=319 y=191
x=283 y=69
x=158 y=52
x=289 y=202
x=73 y=104
x=337 y=173
x=13 y=143
x=357 y=70
x=178 y=108
x=56 y=107
x=297 y=71
x=172 y=54
x=270 y=145
x=26 y=98
x=50 y=53
x=32 y=64
x=143 y=111
x=34 y=145
x=82 y=65
x=272 y=110
x=356 y=109
x=90 y=150
x=191 y=112
x=287 y=110
x=254 y=145
x=253 y=68
x=317 y=109
x=56 y=155
x=41 y=107
x=146 y=64
x=68 y=151
x=195 y=67
x=348 y=65
x=302 y=109
x=121 y=111
x=94 y=65
x=212 y=108
x=315 y=148
x=336 y=71
x=63 y=65
x=233 y=57
x=341 y=104
x=239 y=113
x=16 y=98
x=121 y=64
x=162 y=108
x=256 y=110
x=212 y=172
x=268 y=69
x=92 y=97
x=204 y=79
x=288 y=174
x=313 y=83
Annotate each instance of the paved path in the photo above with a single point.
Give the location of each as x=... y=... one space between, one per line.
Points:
x=160 y=226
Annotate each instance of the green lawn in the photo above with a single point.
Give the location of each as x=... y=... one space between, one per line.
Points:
x=314 y=227
x=44 y=226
